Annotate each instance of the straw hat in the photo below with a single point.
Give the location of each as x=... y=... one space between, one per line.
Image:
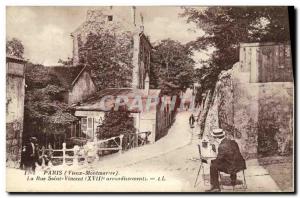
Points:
x=33 y=138
x=218 y=133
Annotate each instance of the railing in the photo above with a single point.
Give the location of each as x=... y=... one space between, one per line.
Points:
x=143 y=138
x=92 y=149
x=65 y=154
x=110 y=144
x=136 y=139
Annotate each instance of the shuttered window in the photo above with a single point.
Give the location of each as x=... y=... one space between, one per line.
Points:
x=83 y=124
x=90 y=133
x=90 y=123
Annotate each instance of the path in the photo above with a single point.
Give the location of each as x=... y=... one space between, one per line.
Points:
x=178 y=136
x=176 y=155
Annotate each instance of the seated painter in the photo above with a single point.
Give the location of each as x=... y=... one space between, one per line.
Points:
x=229 y=160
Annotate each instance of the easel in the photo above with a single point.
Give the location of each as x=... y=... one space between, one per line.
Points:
x=205 y=155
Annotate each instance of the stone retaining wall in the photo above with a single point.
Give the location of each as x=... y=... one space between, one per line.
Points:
x=258 y=115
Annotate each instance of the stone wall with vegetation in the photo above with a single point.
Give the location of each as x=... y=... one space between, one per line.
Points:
x=14 y=131
x=275 y=118
x=15 y=88
x=258 y=115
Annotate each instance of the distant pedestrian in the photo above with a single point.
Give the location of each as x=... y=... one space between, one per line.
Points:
x=192 y=121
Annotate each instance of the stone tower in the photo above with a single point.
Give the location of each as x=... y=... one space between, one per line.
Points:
x=124 y=18
x=119 y=19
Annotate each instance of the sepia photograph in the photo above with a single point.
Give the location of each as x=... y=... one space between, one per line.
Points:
x=188 y=99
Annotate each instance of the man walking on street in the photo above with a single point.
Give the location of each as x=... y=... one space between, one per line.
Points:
x=191 y=121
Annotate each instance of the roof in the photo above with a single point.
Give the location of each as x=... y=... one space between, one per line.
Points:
x=62 y=118
x=15 y=59
x=263 y=44
x=142 y=34
x=67 y=75
x=94 y=103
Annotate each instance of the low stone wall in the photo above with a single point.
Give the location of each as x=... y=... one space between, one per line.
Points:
x=14 y=131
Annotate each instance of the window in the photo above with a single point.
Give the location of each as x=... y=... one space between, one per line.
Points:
x=281 y=56
x=110 y=18
x=90 y=122
x=83 y=124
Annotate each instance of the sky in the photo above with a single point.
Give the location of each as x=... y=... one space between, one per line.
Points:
x=45 y=31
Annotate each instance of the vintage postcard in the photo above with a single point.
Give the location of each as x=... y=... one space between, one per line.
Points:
x=149 y=99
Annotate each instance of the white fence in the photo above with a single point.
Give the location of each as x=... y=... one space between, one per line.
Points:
x=102 y=145
x=92 y=150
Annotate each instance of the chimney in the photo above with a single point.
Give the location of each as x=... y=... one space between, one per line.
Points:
x=142 y=22
x=133 y=9
x=135 y=61
x=147 y=83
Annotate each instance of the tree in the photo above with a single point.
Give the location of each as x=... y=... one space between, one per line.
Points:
x=226 y=27
x=116 y=123
x=45 y=111
x=172 y=65
x=14 y=47
x=109 y=56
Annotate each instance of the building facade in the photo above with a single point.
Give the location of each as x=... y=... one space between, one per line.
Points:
x=15 y=94
x=122 y=19
x=155 y=118
x=267 y=62
x=141 y=60
x=118 y=20
x=76 y=80
x=263 y=98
